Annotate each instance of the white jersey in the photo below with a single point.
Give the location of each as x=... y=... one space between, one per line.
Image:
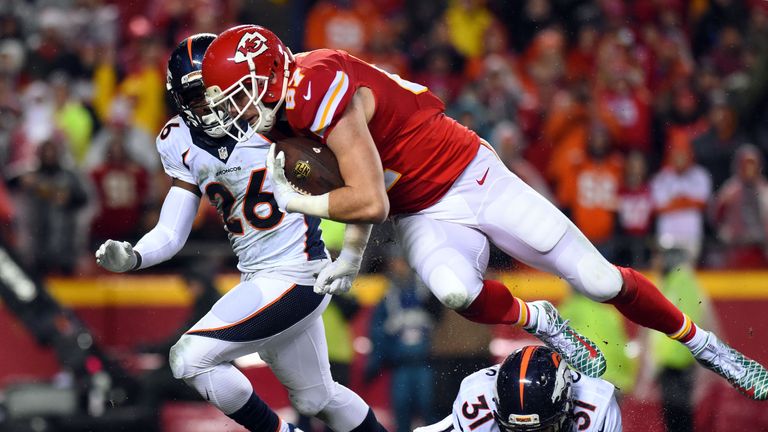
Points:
x=234 y=178
x=595 y=407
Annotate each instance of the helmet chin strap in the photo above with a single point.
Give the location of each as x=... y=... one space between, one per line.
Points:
x=267 y=119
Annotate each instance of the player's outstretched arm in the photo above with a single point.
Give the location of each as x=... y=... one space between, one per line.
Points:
x=363 y=199
x=162 y=242
x=337 y=277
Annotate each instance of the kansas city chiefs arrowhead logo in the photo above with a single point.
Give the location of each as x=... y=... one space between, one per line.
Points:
x=251 y=45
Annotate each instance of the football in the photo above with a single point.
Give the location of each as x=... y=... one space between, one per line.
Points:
x=310 y=167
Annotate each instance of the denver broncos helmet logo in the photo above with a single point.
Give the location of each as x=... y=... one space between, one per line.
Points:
x=251 y=45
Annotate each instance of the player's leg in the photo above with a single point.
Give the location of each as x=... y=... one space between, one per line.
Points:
x=528 y=227
x=300 y=362
x=451 y=259
x=241 y=323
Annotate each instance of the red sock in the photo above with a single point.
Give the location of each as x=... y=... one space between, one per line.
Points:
x=643 y=303
x=496 y=305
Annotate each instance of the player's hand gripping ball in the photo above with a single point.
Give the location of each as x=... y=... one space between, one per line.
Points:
x=310 y=167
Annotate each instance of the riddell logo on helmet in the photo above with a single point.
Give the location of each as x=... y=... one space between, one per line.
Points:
x=251 y=45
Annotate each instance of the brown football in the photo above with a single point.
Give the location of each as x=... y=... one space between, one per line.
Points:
x=310 y=167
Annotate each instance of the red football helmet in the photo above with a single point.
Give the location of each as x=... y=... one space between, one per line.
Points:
x=246 y=66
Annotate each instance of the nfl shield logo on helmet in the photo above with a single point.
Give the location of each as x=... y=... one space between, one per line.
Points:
x=223 y=153
x=251 y=45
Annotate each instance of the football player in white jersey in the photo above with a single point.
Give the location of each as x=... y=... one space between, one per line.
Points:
x=532 y=390
x=274 y=310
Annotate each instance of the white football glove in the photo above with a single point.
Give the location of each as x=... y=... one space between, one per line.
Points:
x=116 y=256
x=337 y=277
x=282 y=190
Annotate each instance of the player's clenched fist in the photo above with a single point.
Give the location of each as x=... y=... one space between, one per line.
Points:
x=116 y=256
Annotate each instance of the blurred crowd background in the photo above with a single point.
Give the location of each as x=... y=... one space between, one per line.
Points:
x=645 y=121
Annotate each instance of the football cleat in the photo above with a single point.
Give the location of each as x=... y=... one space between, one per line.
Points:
x=747 y=375
x=577 y=350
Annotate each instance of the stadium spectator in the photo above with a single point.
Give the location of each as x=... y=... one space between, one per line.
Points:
x=509 y=143
x=339 y=24
x=717 y=15
x=565 y=131
x=600 y=322
x=715 y=148
x=542 y=76
x=684 y=119
x=494 y=45
x=440 y=67
x=669 y=58
x=526 y=19
x=401 y=336
x=144 y=86
x=740 y=212
x=469 y=111
x=635 y=213
x=674 y=367
x=49 y=50
x=71 y=117
x=727 y=56
x=467 y=21
x=382 y=51
x=458 y=349
x=681 y=191
x=592 y=193
x=581 y=59
x=499 y=91
x=122 y=188
x=55 y=196
x=621 y=94
x=420 y=16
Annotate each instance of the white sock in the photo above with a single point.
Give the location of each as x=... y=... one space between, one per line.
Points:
x=283 y=426
x=698 y=341
x=533 y=315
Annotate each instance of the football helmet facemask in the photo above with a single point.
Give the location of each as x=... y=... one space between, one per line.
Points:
x=184 y=84
x=246 y=71
x=534 y=392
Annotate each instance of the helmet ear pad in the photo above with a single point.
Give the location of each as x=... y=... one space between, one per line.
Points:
x=533 y=391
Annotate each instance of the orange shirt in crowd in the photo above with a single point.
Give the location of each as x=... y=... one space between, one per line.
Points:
x=591 y=191
x=329 y=26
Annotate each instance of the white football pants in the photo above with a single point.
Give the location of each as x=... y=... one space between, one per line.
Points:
x=260 y=315
x=447 y=244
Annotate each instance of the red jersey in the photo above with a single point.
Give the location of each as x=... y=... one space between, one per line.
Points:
x=636 y=210
x=422 y=151
x=122 y=190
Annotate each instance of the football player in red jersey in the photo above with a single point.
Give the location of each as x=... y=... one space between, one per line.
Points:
x=447 y=191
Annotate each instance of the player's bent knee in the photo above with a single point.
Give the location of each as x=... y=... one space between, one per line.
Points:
x=448 y=287
x=181 y=358
x=310 y=402
x=598 y=279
